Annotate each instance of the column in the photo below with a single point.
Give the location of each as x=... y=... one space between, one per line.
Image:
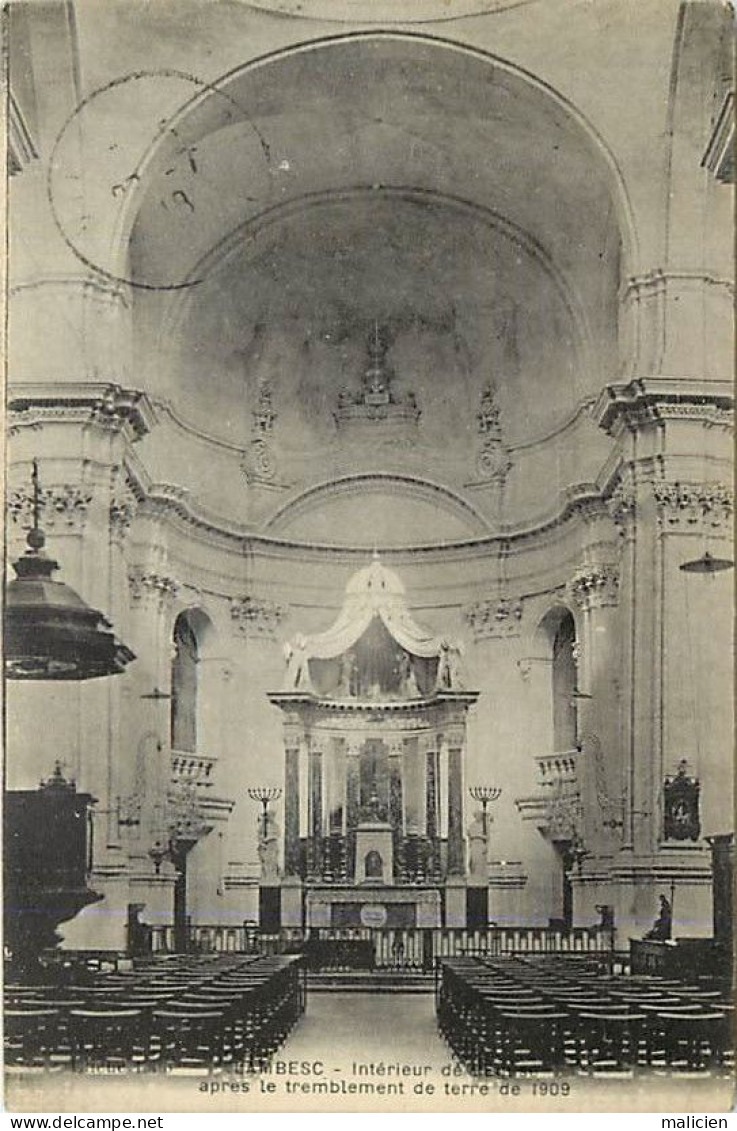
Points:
x=456 y=848
x=336 y=786
x=396 y=752
x=594 y=593
x=672 y=501
x=315 y=847
x=352 y=785
x=292 y=737
x=429 y=757
x=413 y=792
x=431 y=788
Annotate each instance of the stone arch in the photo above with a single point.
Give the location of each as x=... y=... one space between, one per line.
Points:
x=225 y=88
x=194 y=680
x=552 y=661
x=273 y=85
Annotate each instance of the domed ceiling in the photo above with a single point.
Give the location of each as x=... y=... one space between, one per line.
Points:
x=375 y=185
x=459 y=301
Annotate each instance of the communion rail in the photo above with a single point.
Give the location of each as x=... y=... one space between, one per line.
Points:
x=386 y=948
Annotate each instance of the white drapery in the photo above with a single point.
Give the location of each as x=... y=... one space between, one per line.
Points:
x=352 y=623
x=374 y=591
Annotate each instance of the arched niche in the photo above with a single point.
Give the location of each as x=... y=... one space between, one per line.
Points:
x=194 y=682
x=554 y=681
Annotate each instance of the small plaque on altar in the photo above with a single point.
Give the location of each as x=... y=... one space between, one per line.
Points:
x=373 y=915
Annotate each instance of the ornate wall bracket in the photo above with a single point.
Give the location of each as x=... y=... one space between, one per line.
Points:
x=255 y=616
x=493 y=461
x=495 y=617
x=556 y=809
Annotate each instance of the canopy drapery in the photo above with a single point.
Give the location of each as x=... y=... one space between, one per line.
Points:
x=373 y=591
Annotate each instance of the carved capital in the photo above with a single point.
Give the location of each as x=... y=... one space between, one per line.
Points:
x=595 y=586
x=687 y=505
x=62 y=507
x=123 y=507
x=396 y=746
x=255 y=616
x=455 y=736
x=294 y=733
x=150 y=586
x=622 y=504
x=495 y=617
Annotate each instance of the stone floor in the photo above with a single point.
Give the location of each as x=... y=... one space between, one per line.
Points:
x=342 y=1028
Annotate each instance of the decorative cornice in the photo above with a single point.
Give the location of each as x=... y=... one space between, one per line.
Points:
x=595 y=586
x=691 y=504
x=256 y=616
x=62 y=506
x=495 y=617
x=658 y=399
x=109 y=406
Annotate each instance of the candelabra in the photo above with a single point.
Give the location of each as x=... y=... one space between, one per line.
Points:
x=265 y=794
x=485 y=794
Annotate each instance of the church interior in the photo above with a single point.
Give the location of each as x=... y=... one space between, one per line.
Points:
x=369 y=495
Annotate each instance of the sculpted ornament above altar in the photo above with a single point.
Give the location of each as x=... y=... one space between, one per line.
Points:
x=374 y=650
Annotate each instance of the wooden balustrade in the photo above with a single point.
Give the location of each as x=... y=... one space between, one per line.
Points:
x=414 y=947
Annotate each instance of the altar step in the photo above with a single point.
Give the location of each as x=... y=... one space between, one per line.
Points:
x=398 y=981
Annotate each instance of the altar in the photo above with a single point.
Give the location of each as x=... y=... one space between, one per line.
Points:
x=374 y=721
x=400 y=908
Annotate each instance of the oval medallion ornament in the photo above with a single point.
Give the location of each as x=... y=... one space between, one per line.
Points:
x=373 y=915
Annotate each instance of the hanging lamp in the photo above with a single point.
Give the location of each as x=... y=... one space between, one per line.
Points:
x=49 y=631
x=707 y=563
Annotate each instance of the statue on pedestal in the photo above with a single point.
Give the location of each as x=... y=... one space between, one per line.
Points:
x=297 y=673
x=268 y=849
x=407 y=680
x=663 y=925
x=449 y=667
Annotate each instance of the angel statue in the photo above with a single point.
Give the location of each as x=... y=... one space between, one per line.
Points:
x=297 y=672
x=449 y=667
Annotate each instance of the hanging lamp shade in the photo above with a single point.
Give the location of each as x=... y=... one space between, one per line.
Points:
x=707 y=563
x=49 y=631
